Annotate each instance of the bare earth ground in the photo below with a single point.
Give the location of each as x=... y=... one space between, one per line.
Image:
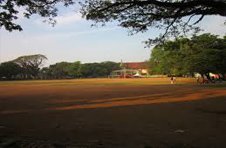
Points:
x=99 y=113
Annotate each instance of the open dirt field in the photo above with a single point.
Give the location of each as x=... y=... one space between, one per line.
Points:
x=121 y=113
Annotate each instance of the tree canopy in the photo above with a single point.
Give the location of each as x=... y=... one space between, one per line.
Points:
x=30 y=67
x=44 y=8
x=30 y=64
x=64 y=70
x=176 y=17
x=9 y=70
x=201 y=54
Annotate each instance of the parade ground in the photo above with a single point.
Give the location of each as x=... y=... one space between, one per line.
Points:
x=106 y=113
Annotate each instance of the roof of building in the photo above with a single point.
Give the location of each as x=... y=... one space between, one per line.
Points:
x=136 y=65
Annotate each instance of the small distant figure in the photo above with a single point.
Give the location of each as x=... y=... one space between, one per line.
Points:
x=171 y=80
x=213 y=79
x=174 y=80
x=199 y=80
x=205 y=81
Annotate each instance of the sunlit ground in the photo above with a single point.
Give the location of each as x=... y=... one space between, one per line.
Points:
x=102 y=93
x=28 y=106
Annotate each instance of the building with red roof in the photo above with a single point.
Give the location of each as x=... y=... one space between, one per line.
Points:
x=136 y=65
x=132 y=69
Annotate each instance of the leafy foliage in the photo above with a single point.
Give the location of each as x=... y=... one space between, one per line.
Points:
x=176 y=17
x=62 y=70
x=44 y=8
x=30 y=64
x=9 y=70
x=203 y=54
x=77 y=70
x=103 y=69
x=29 y=67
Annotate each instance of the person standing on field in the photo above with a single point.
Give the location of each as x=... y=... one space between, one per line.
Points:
x=174 y=80
x=171 y=80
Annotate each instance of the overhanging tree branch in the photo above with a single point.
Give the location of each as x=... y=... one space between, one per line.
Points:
x=140 y=15
x=44 y=8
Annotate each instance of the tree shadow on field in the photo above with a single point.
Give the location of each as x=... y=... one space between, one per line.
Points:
x=211 y=111
x=140 y=100
x=108 y=97
x=211 y=107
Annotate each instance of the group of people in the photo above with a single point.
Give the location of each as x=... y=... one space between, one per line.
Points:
x=201 y=79
x=204 y=80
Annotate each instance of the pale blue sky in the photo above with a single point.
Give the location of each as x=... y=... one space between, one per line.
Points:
x=72 y=39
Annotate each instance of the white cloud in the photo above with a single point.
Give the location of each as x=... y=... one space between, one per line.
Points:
x=62 y=20
x=68 y=18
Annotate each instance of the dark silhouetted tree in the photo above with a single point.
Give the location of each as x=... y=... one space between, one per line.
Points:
x=94 y=70
x=30 y=64
x=9 y=70
x=176 y=17
x=44 y=8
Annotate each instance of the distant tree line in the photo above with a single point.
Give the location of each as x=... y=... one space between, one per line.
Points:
x=29 y=67
x=64 y=70
x=184 y=56
x=200 y=54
